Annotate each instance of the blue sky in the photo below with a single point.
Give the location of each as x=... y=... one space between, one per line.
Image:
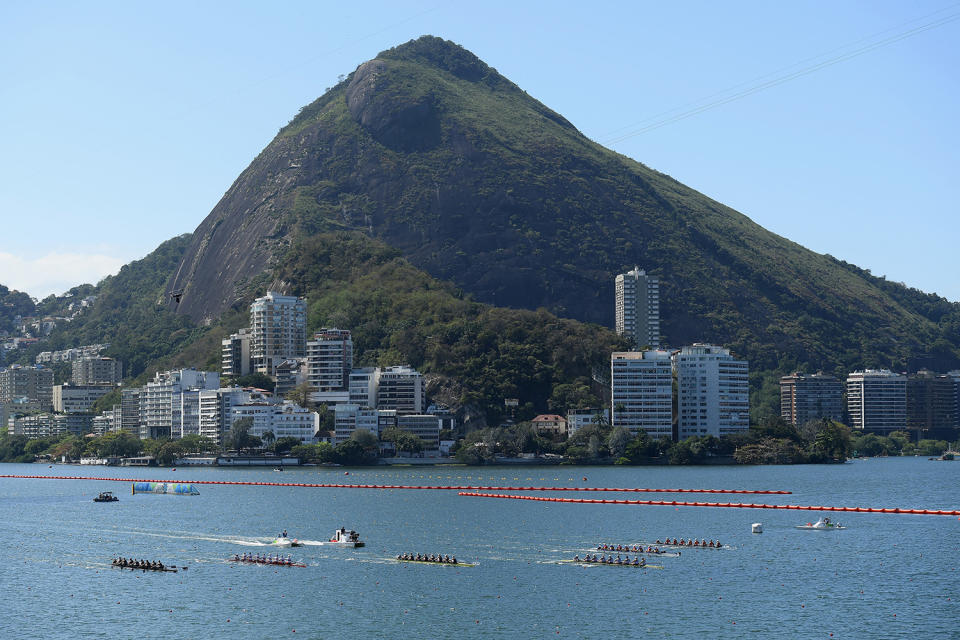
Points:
x=832 y=124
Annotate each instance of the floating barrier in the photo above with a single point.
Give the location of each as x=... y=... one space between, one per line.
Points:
x=400 y=486
x=177 y=488
x=675 y=503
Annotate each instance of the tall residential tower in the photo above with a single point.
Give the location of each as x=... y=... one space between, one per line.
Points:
x=279 y=331
x=638 y=308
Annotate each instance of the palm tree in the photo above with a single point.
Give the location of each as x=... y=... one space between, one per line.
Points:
x=268 y=438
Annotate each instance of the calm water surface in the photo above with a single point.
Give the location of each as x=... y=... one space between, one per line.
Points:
x=885 y=576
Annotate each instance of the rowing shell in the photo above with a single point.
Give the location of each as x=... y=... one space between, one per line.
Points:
x=810 y=527
x=269 y=564
x=445 y=564
x=660 y=554
x=612 y=564
x=165 y=569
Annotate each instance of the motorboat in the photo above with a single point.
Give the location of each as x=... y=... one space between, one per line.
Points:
x=285 y=542
x=346 y=538
x=823 y=524
x=106 y=496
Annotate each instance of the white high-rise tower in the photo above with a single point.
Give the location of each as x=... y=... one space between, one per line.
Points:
x=638 y=308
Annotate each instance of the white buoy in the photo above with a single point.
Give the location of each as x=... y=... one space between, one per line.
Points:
x=757 y=527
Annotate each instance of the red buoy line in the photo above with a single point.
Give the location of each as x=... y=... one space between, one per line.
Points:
x=676 y=503
x=400 y=486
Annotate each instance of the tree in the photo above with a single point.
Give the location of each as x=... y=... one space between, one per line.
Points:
x=119 y=444
x=328 y=421
x=366 y=439
x=350 y=452
x=833 y=440
x=618 y=440
x=300 y=395
x=285 y=444
x=403 y=440
x=255 y=380
x=268 y=437
x=239 y=437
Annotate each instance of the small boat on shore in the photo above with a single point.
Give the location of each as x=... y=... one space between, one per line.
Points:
x=823 y=524
x=346 y=538
x=106 y=496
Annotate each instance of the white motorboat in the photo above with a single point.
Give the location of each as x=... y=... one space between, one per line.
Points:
x=823 y=524
x=283 y=541
x=345 y=538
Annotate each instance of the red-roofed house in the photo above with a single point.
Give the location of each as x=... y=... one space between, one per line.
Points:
x=550 y=424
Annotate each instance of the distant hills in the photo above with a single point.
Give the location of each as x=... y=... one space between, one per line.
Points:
x=479 y=192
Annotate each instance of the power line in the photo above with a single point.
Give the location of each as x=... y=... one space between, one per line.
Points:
x=659 y=121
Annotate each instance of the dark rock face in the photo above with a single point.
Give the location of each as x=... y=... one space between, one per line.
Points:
x=398 y=123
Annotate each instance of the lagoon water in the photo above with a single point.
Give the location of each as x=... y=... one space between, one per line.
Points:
x=885 y=576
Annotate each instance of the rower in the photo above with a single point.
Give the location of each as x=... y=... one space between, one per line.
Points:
x=643 y=562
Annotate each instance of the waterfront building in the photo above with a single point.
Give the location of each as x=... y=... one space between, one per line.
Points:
x=641 y=385
x=424 y=426
x=877 y=400
x=804 y=398
x=330 y=360
x=284 y=420
x=95 y=370
x=931 y=401
x=108 y=421
x=401 y=388
x=235 y=354
x=161 y=402
x=363 y=386
x=713 y=392
x=52 y=424
x=279 y=331
x=215 y=406
x=353 y=417
x=76 y=398
x=579 y=418
x=637 y=308
x=551 y=425
x=448 y=420
x=955 y=376
x=130 y=410
x=32 y=383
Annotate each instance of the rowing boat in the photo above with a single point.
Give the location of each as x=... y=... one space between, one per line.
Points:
x=267 y=562
x=661 y=554
x=164 y=569
x=442 y=564
x=612 y=564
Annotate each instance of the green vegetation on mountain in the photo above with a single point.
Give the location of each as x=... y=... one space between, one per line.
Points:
x=474 y=354
x=434 y=153
x=14 y=304
x=130 y=313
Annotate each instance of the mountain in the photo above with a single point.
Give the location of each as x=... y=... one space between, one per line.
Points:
x=456 y=224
